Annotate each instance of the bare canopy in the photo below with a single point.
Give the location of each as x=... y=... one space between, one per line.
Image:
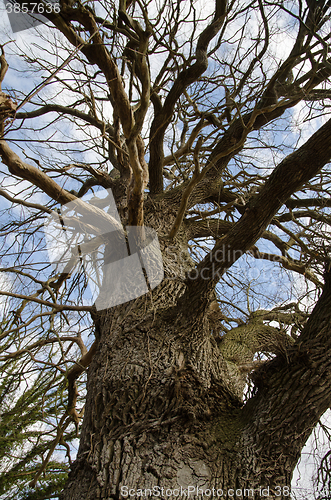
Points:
x=208 y=123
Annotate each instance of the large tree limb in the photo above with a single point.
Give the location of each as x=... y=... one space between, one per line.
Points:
x=308 y=202
x=30 y=173
x=293 y=389
x=294 y=171
x=102 y=58
x=131 y=122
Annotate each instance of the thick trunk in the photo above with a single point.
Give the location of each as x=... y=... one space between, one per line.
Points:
x=163 y=411
x=156 y=405
x=164 y=405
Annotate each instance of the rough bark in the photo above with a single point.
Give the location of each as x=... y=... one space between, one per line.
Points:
x=164 y=402
x=158 y=391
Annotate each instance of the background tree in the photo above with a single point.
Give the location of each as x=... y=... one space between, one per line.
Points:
x=209 y=124
x=24 y=443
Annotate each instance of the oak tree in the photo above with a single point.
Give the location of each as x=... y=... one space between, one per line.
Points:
x=209 y=124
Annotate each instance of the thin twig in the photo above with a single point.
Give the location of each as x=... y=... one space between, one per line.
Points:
x=58 y=307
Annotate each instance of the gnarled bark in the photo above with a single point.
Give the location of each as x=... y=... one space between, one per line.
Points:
x=164 y=403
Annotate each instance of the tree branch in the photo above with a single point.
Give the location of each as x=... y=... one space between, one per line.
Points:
x=184 y=79
x=57 y=307
x=308 y=202
x=131 y=123
x=292 y=173
x=66 y=110
x=38 y=178
x=286 y=263
x=72 y=376
x=197 y=176
x=294 y=389
x=32 y=174
x=24 y=203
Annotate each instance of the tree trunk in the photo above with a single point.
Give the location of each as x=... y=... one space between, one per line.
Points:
x=160 y=411
x=164 y=411
x=164 y=404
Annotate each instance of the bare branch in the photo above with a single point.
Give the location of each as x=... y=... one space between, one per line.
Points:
x=57 y=307
x=291 y=174
x=197 y=176
x=24 y=203
x=185 y=78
